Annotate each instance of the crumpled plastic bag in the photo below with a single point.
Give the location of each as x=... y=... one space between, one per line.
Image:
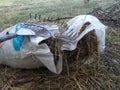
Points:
x=75 y=24
x=24 y=51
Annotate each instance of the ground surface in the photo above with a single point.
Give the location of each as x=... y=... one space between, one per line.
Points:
x=103 y=74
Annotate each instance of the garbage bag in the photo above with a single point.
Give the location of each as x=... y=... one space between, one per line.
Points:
x=75 y=25
x=25 y=50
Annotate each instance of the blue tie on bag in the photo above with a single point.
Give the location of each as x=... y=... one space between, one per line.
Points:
x=18 y=41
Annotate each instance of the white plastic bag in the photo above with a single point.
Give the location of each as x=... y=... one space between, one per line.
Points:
x=24 y=51
x=75 y=24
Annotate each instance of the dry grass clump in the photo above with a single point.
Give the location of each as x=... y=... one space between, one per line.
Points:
x=87 y=48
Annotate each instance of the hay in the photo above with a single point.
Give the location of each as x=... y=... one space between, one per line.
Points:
x=101 y=75
x=87 y=47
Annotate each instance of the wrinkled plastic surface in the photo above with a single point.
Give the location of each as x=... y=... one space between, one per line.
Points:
x=75 y=24
x=25 y=52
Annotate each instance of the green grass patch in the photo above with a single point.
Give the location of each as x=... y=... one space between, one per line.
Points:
x=15 y=11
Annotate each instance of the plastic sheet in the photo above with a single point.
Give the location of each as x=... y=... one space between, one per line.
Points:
x=24 y=50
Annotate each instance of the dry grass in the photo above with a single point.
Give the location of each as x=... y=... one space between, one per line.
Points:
x=102 y=74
